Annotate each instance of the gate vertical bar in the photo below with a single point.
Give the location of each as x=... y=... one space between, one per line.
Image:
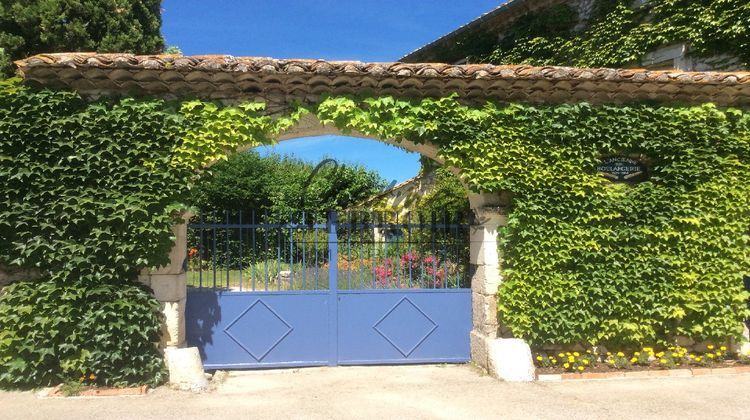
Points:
x=333 y=284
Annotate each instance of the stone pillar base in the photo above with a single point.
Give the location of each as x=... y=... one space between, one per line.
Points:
x=510 y=360
x=186 y=369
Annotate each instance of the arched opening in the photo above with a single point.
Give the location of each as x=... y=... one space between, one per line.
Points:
x=360 y=284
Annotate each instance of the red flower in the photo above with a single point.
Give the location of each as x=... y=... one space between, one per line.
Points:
x=193 y=252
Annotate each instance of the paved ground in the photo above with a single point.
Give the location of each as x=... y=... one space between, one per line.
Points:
x=440 y=392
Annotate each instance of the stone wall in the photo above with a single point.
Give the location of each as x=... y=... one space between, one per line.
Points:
x=169 y=284
x=9 y=275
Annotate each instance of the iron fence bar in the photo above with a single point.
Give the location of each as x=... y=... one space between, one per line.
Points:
x=226 y=213
x=408 y=215
x=434 y=260
x=200 y=255
x=384 y=235
x=444 y=280
x=265 y=249
x=374 y=255
x=398 y=251
x=278 y=258
x=213 y=256
x=291 y=253
x=319 y=226
x=317 y=271
x=304 y=251
x=349 y=252
x=240 y=257
x=421 y=256
x=455 y=251
x=332 y=291
x=253 y=277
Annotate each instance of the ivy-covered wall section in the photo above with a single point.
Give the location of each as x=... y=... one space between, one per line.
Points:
x=91 y=190
x=90 y=193
x=613 y=33
x=586 y=260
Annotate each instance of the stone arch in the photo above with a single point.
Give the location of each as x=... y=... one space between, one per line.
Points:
x=170 y=285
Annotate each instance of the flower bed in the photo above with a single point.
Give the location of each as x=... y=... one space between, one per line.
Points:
x=645 y=359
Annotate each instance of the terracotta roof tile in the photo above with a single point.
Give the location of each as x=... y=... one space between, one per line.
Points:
x=253 y=78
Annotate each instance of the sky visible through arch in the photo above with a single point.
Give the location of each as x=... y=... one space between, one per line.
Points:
x=363 y=30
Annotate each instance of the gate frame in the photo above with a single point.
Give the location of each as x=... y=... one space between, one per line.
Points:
x=489 y=211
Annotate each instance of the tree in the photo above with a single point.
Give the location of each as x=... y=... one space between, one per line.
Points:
x=29 y=27
x=446 y=197
x=280 y=186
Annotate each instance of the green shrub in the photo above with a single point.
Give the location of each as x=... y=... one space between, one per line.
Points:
x=54 y=331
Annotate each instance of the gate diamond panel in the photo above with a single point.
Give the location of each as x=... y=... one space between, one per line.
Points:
x=405 y=326
x=258 y=329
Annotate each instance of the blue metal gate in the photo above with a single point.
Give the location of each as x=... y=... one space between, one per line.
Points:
x=367 y=289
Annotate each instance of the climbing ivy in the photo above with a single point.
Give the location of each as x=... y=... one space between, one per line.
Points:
x=618 y=34
x=91 y=190
x=586 y=260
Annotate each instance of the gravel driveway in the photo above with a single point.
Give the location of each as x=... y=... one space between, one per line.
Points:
x=413 y=392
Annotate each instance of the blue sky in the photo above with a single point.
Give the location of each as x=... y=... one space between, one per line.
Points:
x=364 y=30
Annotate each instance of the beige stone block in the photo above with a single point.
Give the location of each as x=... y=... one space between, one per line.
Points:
x=484 y=313
x=12 y=274
x=178 y=253
x=684 y=341
x=186 y=369
x=479 y=345
x=510 y=359
x=173 y=327
x=144 y=279
x=169 y=287
x=483 y=248
x=486 y=279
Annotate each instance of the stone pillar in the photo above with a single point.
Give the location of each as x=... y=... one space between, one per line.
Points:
x=505 y=358
x=485 y=265
x=169 y=284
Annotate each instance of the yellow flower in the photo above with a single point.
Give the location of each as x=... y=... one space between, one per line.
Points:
x=566 y=365
x=561 y=355
x=675 y=355
x=92 y=376
x=660 y=354
x=538 y=358
x=662 y=361
x=576 y=354
x=709 y=355
x=585 y=362
x=570 y=359
x=633 y=360
x=610 y=361
x=588 y=351
x=718 y=353
x=619 y=353
x=580 y=368
x=710 y=347
x=553 y=360
x=637 y=353
x=723 y=348
x=691 y=356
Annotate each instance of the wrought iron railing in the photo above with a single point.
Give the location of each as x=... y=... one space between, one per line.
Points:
x=245 y=251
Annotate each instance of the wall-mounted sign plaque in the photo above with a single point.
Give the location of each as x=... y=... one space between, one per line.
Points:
x=623 y=169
